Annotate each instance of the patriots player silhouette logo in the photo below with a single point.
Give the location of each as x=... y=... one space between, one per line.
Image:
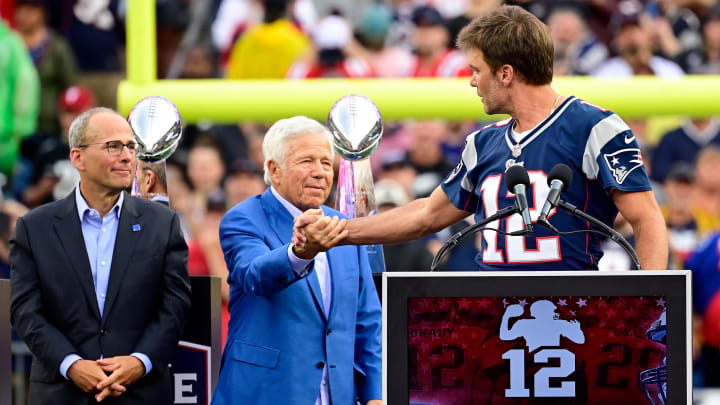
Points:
x=622 y=162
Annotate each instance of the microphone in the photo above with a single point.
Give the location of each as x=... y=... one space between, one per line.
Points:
x=559 y=179
x=518 y=181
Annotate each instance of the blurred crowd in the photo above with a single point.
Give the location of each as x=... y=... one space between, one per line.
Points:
x=59 y=58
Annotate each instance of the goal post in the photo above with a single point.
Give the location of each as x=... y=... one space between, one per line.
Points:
x=231 y=101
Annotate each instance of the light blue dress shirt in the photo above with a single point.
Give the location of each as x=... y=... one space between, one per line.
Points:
x=300 y=267
x=99 y=235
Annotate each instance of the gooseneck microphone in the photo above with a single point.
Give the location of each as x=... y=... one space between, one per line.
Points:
x=517 y=182
x=559 y=180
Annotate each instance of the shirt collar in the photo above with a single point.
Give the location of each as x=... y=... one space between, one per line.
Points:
x=293 y=210
x=82 y=205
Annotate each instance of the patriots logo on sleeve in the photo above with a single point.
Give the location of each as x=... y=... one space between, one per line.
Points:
x=454 y=172
x=622 y=162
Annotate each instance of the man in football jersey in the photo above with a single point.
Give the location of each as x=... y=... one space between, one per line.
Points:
x=511 y=55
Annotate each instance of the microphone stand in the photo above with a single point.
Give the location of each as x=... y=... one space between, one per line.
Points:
x=608 y=231
x=460 y=236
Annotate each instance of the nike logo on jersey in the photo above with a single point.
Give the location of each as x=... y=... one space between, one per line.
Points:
x=630 y=139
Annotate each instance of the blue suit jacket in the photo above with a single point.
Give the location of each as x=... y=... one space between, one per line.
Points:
x=279 y=338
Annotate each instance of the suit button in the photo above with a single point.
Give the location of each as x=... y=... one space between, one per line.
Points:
x=283 y=279
x=329 y=331
x=320 y=365
x=103 y=332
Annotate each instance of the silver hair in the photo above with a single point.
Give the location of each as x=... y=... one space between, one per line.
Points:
x=76 y=133
x=275 y=142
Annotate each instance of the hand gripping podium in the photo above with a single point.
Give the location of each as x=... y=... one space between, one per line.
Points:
x=561 y=337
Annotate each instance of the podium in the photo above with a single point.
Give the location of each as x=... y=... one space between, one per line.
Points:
x=561 y=337
x=196 y=365
x=5 y=343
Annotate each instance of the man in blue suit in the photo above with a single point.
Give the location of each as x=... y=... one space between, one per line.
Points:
x=304 y=323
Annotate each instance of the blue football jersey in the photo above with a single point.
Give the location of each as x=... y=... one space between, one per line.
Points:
x=603 y=154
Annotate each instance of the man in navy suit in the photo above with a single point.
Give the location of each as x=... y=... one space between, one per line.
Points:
x=100 y=287
x=305 y=323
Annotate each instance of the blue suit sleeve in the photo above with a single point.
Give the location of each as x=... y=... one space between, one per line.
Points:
x=251 y=263
x=368 y=341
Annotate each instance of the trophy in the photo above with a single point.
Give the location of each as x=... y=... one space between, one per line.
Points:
x=156 y=126
x=356 y=126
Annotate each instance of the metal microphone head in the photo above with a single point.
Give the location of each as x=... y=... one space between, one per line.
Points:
x=560 y=172
x=515 y=175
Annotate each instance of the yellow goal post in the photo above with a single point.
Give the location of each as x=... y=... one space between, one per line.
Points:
x=231 y=101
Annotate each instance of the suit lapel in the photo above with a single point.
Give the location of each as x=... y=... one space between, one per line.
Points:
x=69 y=231
x=334 y=267
x=278 y=217
x=281 y=221
x=124 y=245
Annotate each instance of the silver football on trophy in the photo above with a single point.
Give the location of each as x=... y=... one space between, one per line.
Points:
x=356 y=126
x=156 y=125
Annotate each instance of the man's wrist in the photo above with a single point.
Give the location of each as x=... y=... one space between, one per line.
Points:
x=67 y=362
x=304 y=255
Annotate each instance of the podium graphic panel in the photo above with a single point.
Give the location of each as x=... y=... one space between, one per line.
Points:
x=529 y=338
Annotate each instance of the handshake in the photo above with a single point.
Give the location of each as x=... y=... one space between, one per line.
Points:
x=314 y=233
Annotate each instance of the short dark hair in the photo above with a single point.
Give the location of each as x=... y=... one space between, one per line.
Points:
x=512 y=36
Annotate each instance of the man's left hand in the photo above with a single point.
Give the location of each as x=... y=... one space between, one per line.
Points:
x=124 y=370
x=374 y=402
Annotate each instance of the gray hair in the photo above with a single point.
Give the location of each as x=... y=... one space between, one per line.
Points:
x=76 y=133
x=275 y=145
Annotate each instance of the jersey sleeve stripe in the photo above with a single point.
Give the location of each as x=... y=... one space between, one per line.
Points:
x=469 y=158
x=600 y=135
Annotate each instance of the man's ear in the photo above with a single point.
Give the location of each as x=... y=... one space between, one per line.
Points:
x=150 y=179
x=506 y=74
x=76 y=158
x=273 y=168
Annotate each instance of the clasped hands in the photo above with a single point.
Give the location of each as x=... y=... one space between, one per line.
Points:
x=91 y=376
x=314 y=233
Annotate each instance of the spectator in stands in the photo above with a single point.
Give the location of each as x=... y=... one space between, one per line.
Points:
x=405 y=256
x=431 y=41
x=95 y=31
x=54 y=176
x=267 y=51
x=634 y=44
x=707 y=198
x=10 y=211
x=52 y=57
x=683 y=144
x=709 y=61
x=396 y=167
x=373 y=29
x=332 y=39
x=677 y=28
x=152 y=182
x=426 y=152
x=4 y=245
x=577 y=50
x=205 y=256
x=205 y=170
x=679 y=214
x=705 y=266
x=243 y=180
x=475 y=8
x=19 y=98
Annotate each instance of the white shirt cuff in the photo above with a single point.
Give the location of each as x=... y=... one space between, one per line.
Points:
x=145 y=360
x=67 y=362
x=298 y=265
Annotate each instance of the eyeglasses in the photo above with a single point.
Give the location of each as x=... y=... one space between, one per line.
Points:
x=115 y=148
